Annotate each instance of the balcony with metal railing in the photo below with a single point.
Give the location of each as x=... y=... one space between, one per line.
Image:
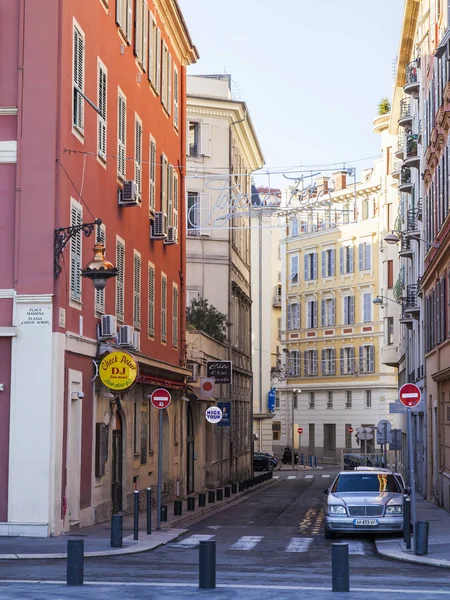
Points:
x=396 y=170
x=405 y=182
x=411 y=156
x=405 y=247
x=411 y=306
x=406 y=116
x=411 y=86
x=399 y=153
x=412 y=222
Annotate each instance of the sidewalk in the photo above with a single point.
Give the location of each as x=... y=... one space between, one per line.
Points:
x=97 y=537
x=438 y=540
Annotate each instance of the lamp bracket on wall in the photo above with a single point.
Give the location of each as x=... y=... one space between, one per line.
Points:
x=62 y=237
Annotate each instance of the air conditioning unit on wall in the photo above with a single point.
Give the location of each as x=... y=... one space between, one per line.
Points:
x=129 y=195
x=137 y=341
x=125 y=336
x=195 y=368
x=171 y=236
x=108 y=326
x=157 y=227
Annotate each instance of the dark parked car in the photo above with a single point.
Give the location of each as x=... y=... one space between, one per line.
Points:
x=264 y=462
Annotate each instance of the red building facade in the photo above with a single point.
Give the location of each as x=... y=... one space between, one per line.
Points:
x=94 y=105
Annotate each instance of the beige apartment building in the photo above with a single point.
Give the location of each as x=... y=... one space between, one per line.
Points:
x=332 y=377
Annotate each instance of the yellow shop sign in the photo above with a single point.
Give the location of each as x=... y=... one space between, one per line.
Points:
x=118 y=371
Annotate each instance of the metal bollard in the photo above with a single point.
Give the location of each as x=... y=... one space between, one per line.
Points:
x=211 y=496
x=234 y=488
x=75 y=562
x=421 y=537
x=207 y=565
x=136 y=516
x=219 y=495
x=241 y=486
x=202 y=499
x=227 y=490
x=191 y=503
x=271 y=475
x=116 y=531
x=407 y=522
x=177 y=508
x=340 y=572
x=302 y=461
x=149 y=511
x=310 y=460
x=315 y=462
x=164 y=512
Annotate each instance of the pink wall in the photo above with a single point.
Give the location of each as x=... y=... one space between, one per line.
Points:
x=9 y=35
x=5 y=378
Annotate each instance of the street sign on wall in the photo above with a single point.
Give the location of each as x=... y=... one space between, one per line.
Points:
x=221 y=370
x=213 y=414
x=409 y=395
x=225 y=407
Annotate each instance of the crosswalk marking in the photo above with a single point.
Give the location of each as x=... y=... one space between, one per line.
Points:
x=292 y=477
x=276 y=477
x=246 y=542
x=354 y=547
x=325 y=476
x=192 y=541
x=299 y=544
x=309 y=476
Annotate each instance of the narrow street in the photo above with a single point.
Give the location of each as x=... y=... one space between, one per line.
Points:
x=272 y=538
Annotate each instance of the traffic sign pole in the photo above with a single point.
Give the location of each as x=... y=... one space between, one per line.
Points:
x=158 y=516
x=412 y=477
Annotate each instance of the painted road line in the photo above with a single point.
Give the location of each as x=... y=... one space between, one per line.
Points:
x=318 y=524
x=326 y=476
x=246 y=542
x=292 y=476
x=192 y=541
x=298 y=544
x=309 y=476
x=276 y=477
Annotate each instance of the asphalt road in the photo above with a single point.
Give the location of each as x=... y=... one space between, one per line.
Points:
x=272 y=543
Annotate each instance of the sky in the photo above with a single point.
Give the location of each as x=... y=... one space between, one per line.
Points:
x=311 y=72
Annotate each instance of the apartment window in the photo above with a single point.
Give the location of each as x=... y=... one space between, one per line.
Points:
x=170 y=195
x=138 y=154
x=141 y=32
x=310 y=362
x=121 y=136
x=175 y=316
x=348 y=399
x=329 y=399
x=120 y=279
x=76 y=218
x=276 y=430
x=163 y=308
x=328 y=263
x=328 y=312
x=294 y=226
x=347 y=360
x=390 y=331
x=124 y=17
x=346 y=259
x=193 y=139
x=365 y=257
x=310 y=266
x=277 y=399
x=100 y=294
x=312 y=400
x=164 y=190
x=328 y=361
x=349 y=310
x=152 y=176
x=390 y=274
x=311 y=314
x=294 y=357
x=367 y=308
x=151 y=300
x=293 y=316
x=365 y=209
x=137 y=290
x=175 y=97
x=294 y=268
x=295 y=400
x=164 y=74
x=368 y=398
x=367 y=359
x=101 y=116
x=78 y=78
x=176 y=194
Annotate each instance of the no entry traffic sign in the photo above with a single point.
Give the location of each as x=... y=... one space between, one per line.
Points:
x=300 y=430
x=350 y=429
x=409 y=395
x=161 y=398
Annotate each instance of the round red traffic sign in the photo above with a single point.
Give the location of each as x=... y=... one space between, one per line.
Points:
x=409 y=395
x=300 y=430
x=161 y=398
x=350 y=429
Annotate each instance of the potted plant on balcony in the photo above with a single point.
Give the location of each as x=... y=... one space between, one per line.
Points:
x=384 y=106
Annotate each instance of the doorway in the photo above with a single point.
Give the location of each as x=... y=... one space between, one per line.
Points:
x=74 y=459
x=329 y=440
x=117 y=462
x=190 y=451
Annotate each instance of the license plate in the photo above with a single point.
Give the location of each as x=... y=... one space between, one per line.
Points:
x=365 y=522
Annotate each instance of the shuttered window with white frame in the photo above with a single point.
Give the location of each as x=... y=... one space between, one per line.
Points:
x=121 y=135
x=121 y=14
x=78 y=78
x=138 y=29
x=175 y=316
x=120 y=279
x=164 y=77
x=158 y=61
x=205 y=214
x=76 y=218
x=129 y=20
x=138 y=154
x=144 y=34
x=169 y=82
x=102 y=103
x=137 y=290
x=164 y=170
x=163 y=307
x=170 y=195
x=176 y=195
x=175 y=96
x=152 y=29
x=152 y=176
x=151 y=300
x=100 y=294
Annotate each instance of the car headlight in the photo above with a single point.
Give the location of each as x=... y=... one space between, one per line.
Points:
x=336 y=509
x=394 y=509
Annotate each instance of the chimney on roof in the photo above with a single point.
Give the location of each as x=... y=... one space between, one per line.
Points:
x=340 y=180
x=322 y=184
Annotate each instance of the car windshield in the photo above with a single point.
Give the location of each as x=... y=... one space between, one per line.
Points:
x=366 y=482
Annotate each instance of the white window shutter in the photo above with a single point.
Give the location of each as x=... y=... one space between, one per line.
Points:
x=129 y=20
x=187 y=138
x=120 y=280
x=170 y=195
x=137 y=291
x=138 y=31
x=163 y=62
x=205 y=139
x=121 y=136
x=158 y=61
x=169 y=82
x=101 y=118
x=205 y=217
x=163 y=308
x=78 y=78
x=144 y=34
x=100 y=294
x=138 y=155
x=175 y=97
x=151 y=300
x=76 y=218
x=175 y=316
x=151 y=71
x=176 y=193
x=152 y=176
x=120 y=13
